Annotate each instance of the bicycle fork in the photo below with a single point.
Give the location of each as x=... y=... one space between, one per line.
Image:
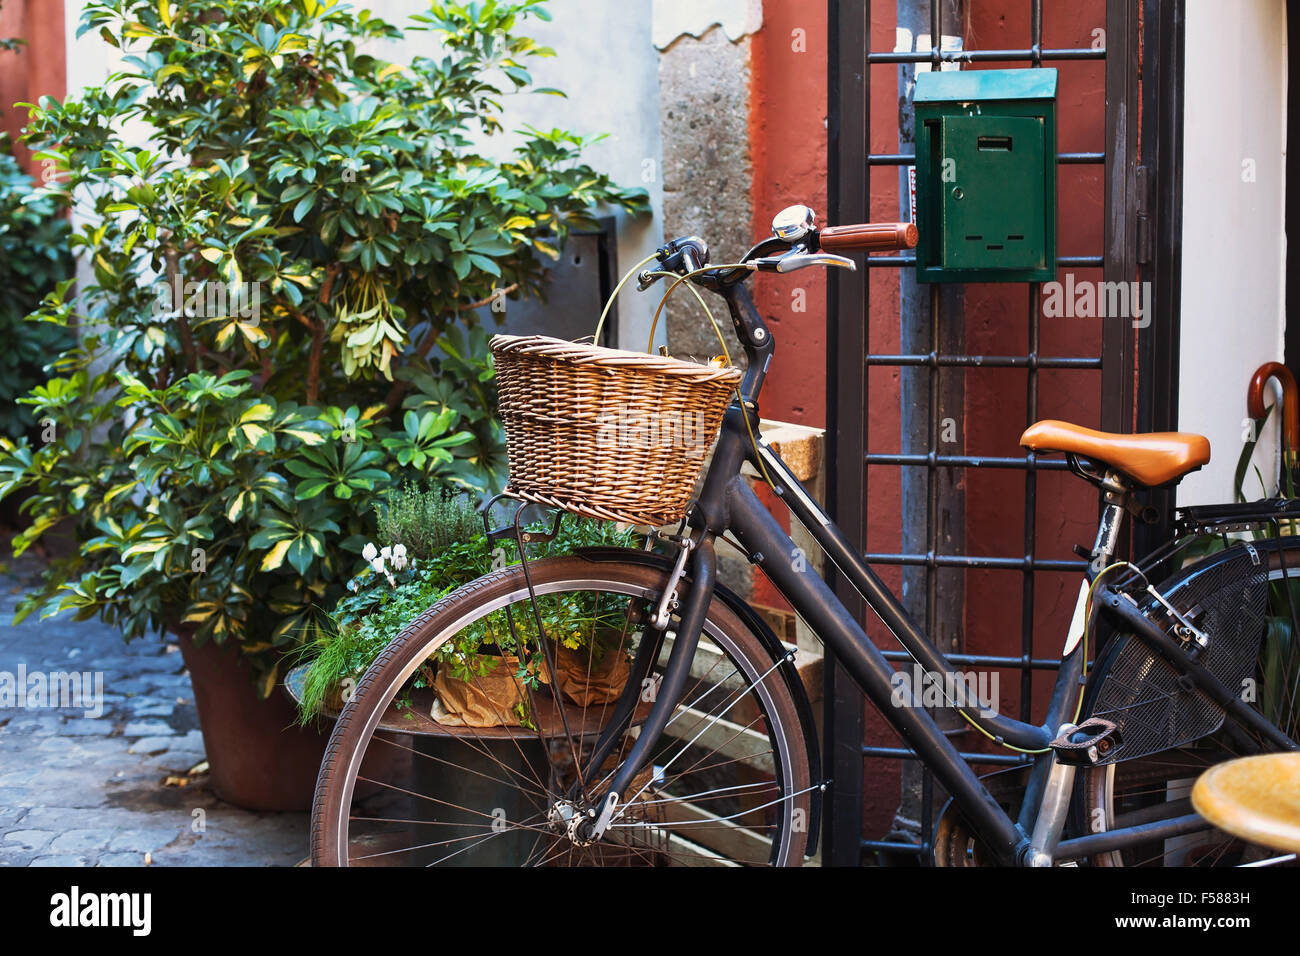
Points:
x=693 y=610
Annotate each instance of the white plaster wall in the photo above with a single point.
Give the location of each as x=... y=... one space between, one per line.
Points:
x=675 y=18
x=1234 y=242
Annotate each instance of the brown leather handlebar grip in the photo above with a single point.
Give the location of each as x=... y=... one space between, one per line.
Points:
x=1290 y=403
x=869 y=237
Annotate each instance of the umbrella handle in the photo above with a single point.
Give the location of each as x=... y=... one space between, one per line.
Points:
x=1290 y=402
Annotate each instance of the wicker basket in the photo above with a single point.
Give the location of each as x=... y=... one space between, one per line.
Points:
x=606 y=433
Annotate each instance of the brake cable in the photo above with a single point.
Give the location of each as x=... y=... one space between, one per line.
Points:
x=617 y=289
x=1088 y=620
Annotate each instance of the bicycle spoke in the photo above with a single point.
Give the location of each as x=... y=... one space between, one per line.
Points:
x=716 y=789
x=424 y=846
x=713 y=721
x=461 y=768
x=422 y=796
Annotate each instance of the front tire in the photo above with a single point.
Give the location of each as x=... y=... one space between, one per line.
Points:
x=729 y=783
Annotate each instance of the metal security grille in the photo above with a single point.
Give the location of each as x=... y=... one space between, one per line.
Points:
x=1137 y=376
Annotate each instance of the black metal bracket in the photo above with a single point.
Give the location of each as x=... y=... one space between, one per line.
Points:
x=514 y=529
x=1221 y=519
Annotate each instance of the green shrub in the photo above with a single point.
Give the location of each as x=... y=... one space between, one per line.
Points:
x=270 y=279
x=427 y=521
x=34 y=258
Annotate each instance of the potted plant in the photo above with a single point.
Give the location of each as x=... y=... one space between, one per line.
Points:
x=273 y=332
x=480 y=677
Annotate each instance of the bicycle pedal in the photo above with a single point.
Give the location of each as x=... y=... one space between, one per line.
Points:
x=1087 y=744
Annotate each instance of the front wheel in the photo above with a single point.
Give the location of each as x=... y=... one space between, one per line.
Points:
x=728 y=782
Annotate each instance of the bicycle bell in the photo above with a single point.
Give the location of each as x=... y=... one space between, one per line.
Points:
x=793 y=223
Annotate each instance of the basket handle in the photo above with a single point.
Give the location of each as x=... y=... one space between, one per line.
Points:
x=595 y=339
x=679 y=280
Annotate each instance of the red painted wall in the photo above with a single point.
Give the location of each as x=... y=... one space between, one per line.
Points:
x=37 y=69
x=787 y=136
x=787 y=128
x=788 y=143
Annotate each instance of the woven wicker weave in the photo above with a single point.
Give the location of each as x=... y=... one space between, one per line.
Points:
x=607 y=433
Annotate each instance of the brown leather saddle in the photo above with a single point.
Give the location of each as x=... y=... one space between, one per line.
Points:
x=1149 y=459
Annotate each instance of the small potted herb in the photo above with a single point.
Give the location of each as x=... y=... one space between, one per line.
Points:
x=431 y=545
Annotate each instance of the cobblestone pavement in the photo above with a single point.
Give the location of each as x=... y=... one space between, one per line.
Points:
x=80 y=789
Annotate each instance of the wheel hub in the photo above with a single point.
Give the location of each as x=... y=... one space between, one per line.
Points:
x=568 y=818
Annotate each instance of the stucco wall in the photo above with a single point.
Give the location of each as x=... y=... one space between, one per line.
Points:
x=1234 y=240
x=788 y=142
x=704 y=115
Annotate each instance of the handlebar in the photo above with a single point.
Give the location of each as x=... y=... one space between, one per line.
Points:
x=868 y=237
x=795 y=244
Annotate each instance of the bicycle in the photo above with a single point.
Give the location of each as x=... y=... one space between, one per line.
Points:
x=709 y=754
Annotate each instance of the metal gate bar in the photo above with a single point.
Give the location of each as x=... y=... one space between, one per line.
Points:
x=849 y=329
x=848 y=139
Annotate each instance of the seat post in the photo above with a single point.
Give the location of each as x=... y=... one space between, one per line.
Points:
x=1115 y=492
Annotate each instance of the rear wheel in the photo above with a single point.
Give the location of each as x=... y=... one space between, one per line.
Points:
x=728 y=783
x=1246 y=599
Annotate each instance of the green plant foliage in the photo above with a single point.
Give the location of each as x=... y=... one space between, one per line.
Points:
x=1279 y=659
x=279 y=285
x=34 y=259
x=382 y=602
x=427 y=521
x=1286 y=484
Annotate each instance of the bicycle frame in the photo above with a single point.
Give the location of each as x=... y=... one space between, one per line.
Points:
x=728 y=504
x=771 y=549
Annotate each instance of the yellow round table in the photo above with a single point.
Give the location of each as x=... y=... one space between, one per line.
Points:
x=1254 y=798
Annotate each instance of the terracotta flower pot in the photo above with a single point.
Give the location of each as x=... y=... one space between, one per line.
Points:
x=259 y=758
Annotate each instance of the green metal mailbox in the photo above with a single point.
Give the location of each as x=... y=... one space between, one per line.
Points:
x=986 y=175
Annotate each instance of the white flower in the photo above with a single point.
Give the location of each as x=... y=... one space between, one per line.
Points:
x=386 y=554
x=369 y=552
x=378 y=565
x=399 y=557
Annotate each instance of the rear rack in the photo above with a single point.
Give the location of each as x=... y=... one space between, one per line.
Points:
x=1221 y=519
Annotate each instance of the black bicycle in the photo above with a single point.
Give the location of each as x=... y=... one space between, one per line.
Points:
x=708 y=754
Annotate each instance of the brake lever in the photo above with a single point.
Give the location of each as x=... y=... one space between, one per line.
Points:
x=802 y=261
